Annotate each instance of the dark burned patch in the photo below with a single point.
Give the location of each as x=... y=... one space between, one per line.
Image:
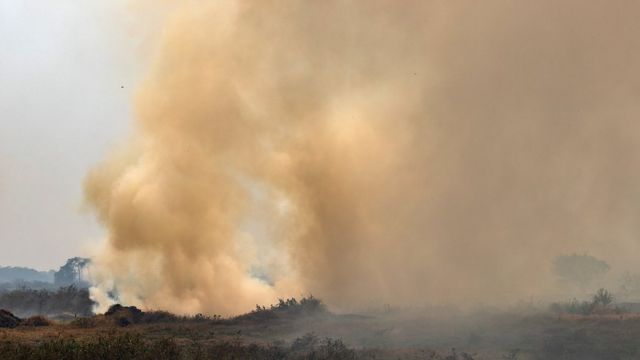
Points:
x=8 y=320
x=124 y=315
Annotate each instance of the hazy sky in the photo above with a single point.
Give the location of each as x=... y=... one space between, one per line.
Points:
x=62 y=65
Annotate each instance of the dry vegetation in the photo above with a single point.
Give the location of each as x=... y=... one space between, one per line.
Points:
x=304 y=329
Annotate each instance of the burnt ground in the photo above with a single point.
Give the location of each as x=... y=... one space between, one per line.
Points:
x=392 y=335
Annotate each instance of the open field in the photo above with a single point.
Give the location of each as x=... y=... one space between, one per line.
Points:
x=271 y=334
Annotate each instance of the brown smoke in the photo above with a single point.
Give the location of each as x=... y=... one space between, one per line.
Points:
x=373 y=151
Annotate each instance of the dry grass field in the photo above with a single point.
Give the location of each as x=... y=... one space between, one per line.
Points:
x=294 y=331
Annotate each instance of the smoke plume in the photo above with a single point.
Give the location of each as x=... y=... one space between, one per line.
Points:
x=373 y=152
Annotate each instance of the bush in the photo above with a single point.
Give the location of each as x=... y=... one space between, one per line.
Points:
x=307 y=306
x=574 y=307
x=600 y=303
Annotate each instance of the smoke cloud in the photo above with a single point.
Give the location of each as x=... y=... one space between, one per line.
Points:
x=373 y=152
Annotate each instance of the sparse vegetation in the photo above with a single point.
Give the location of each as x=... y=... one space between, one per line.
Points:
x=572 y=307
x=307 y=306
x=69 y=300
x=304 y=330
x=601 y=303
x=127 y=346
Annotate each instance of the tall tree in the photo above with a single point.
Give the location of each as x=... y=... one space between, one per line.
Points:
x=71 y=273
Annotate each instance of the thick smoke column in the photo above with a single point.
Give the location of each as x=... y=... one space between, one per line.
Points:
x=373 y=151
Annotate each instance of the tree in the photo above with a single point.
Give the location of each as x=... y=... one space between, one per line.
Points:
x=580 y=270
x=71 y=273
x=603 y=298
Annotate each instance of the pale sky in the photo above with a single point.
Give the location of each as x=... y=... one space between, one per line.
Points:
x=62 y=65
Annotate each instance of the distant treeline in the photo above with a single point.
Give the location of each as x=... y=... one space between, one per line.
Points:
x=22 y=284
x=73 y=272
x=65 y=301
x=10 y=274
